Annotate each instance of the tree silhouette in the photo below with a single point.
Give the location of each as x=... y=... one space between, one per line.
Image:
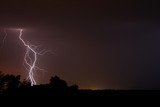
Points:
x=11 y=85
x=1 y=81
x=9 y=82
x=74 y=87
x=25 y=84
x=57 y=83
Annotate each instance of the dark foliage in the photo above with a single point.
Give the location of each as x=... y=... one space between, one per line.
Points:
x=11 y=85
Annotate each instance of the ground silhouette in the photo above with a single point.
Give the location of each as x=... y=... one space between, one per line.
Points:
x=10 y=85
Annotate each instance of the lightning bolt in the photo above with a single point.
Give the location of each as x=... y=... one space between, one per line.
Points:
x=29 y=61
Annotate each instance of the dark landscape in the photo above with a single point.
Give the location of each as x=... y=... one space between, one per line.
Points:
x=11 y=85
x=88 y=48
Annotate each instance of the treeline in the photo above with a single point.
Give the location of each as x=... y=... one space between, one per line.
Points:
x=11 y=84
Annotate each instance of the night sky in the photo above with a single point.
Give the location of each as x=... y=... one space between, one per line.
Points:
x=110 y=44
